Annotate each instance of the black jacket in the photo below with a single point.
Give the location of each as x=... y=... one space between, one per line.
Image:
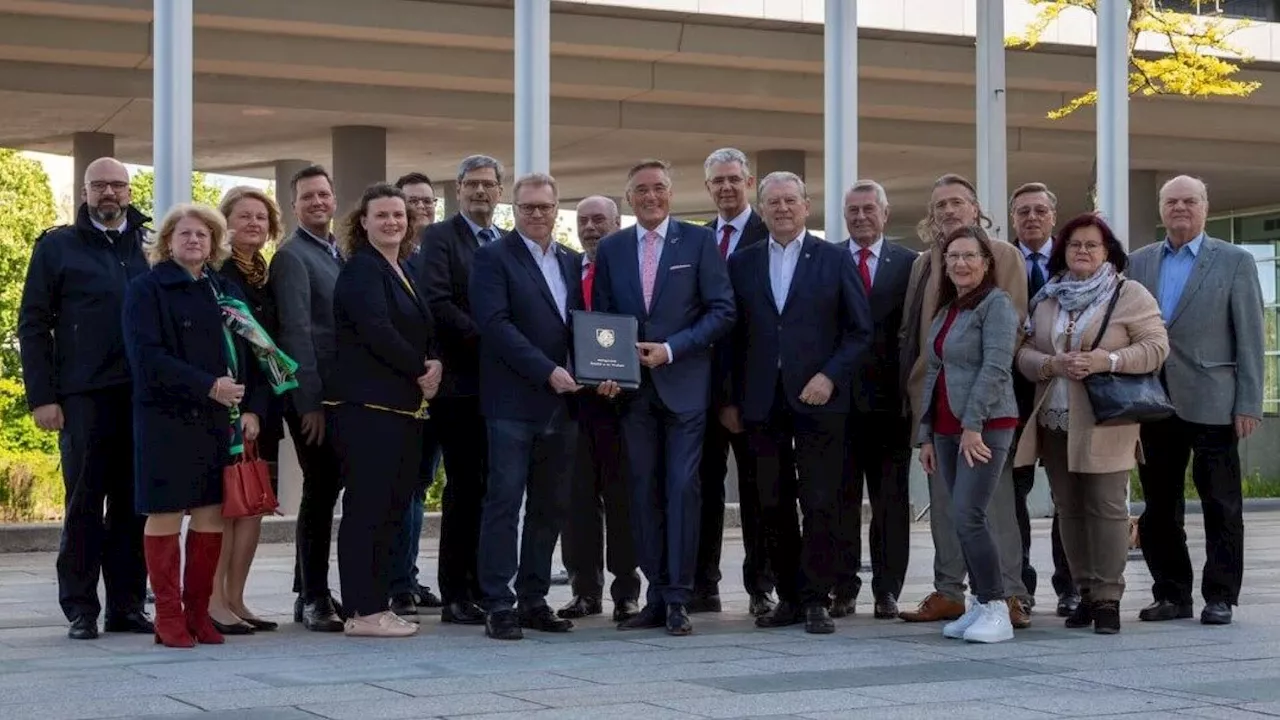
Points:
x=69 y=322
x=443 y=271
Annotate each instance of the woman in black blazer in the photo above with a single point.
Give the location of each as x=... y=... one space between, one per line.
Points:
x=386 y=372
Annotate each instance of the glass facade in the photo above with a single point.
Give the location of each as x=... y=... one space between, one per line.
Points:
x=1266 y=10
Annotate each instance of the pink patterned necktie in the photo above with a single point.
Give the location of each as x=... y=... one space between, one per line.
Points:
x=649 y=266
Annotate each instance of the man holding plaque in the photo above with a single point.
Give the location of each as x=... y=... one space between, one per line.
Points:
x=670 y=277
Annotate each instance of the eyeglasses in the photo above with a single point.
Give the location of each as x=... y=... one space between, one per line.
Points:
x=536 y=208
x=1038 y=211
x=967 y=258
x=1090 y=248
x=420 y=201
x=478 y=184
x=117 y=186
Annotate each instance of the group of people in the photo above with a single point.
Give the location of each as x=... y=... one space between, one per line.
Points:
x=393 y=341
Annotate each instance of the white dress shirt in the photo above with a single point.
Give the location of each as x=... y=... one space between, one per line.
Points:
x=782 y=267
x=738 y=224
x=873 y=262
x=549 y=263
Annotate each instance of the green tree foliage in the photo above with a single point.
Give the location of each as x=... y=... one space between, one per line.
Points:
x=143 y=185
x=26 y=209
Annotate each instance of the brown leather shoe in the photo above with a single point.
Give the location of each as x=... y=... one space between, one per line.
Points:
x=1019 y=617
x=933 y=608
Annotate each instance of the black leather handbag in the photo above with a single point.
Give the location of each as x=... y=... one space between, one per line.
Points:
x=1123 y=397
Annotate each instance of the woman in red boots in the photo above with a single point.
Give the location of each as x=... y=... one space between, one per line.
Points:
x=198 y=394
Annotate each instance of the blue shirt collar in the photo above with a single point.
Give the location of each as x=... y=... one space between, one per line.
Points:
x=475 y=229
x=1193 y=246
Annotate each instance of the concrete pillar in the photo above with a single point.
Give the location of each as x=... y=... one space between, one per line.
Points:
x=359 y=160
x=840 y=110
x=173 y=75
x=447 y=191
x=85 y=148
x=1144 y=209
x=533 y=86
x=992 y=140
x=768 y=161
x=1113 y=114
x=285 y=170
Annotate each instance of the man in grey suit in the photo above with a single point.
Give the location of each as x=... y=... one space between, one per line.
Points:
x=1211 y=301
x=303 y=273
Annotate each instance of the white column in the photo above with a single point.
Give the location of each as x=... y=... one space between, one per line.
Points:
x=173 y=76
x=1113 y=115
x=993 y=152
x=533 y=86
x=840 y=108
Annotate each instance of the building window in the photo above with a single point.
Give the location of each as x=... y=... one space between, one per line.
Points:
x=1265 y=10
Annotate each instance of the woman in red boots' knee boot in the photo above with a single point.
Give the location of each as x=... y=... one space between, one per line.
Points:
x=164 y=560
x=203 y=549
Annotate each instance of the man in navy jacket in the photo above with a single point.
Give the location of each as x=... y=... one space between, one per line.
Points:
x=804 y=328
x=671 y=278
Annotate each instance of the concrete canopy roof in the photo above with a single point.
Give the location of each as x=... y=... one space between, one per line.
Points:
x=273 y=77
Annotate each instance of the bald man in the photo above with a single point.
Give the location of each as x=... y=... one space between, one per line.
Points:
x=77 y=384
x=598 y=496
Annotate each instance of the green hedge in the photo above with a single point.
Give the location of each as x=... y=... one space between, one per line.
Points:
x=30 y=487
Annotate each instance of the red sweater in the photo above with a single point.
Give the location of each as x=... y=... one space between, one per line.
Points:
x=945 y=421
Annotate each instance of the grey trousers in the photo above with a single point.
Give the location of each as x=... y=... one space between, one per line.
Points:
x=948 y=561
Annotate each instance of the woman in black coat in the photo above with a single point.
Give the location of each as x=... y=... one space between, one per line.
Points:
x=386 y=373
x=196 y=393
x=253 y=221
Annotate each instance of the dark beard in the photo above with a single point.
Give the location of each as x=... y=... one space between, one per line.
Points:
x=105 y=216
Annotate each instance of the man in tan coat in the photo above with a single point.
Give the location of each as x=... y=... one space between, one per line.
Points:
x=953 y=204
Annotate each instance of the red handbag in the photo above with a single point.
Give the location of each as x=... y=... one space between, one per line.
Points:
x=246 y=486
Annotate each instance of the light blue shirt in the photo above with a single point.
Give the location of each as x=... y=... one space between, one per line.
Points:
x=548 y=262
x=495 y=233
x=1043 y=261
x=330 y=243
x=662 y=241
x=782 y=267
x=1175 y=269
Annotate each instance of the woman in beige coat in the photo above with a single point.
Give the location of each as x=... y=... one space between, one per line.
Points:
x=1088 y=465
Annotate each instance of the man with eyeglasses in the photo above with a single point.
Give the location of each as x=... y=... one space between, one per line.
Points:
x=77 y=384
x=1033 y=208
x=444 y=271
x=420 y=196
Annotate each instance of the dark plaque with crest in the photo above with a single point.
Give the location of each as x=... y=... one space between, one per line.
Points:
x=604 y=348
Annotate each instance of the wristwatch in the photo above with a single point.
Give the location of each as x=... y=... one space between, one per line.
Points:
x=1115 y=360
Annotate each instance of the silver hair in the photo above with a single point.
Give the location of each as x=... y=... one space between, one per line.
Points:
x=1204 y=189
x=1034 y=187
x=608 y=201
x=533 y=179
x=726 y=155
x=478 y=162
x=882 y=198
x=781 y=176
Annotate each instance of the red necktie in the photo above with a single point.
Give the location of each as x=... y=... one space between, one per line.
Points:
x=588 y=278
x=726 y=232
x=864 y=268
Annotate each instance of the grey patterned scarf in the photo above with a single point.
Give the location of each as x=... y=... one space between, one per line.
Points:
x=1074 y=295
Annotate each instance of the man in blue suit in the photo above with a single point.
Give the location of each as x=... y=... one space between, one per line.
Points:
x=670 y=276
x=804 y=328
x=522 y=290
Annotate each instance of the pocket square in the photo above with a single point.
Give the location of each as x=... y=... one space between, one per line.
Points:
x=680 y=267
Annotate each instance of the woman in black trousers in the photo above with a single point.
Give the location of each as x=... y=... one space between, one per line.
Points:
x=386 y=373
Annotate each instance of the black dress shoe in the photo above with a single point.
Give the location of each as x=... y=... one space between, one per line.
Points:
x=403 y=604
x=298 y=605
x=817 y=621
x=1082 y=616
x=1067 y=604
x=319 y=616
x=240 y=628
x=423 y=597
x=580 y=607
x=462 y=613
x=624 y=610
x=704 y=604
x=503 y=625
x=1106 y=617
x=652 y=616
x=761 y=604
x=1216 y=613
x=261 y=625
x=785 y=614
x=843 y=606
x=83 y=628
x=130 y=622
x=1161 y=610
x=886 y=607
x=542 y=619
x=678 y=620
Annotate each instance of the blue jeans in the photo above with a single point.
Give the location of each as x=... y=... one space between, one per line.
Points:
x=971 y=489
x=405 y=576
x=532 y=458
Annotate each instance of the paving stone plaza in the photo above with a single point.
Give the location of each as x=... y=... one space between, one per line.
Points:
x=870 y=670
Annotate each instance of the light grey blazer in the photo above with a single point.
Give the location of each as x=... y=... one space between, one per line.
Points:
x=303 y=273
x=978 y=359
x=1214 y=370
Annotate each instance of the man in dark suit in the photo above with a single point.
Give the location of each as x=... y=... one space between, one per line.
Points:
x=523 y=288
x=803 y=329
x=878 y=436
x=670 y=277
x=1033 y=208
x=303 y=273
x=598 y=502
x=1211 y=300
x=737 y=226
x=444 y=271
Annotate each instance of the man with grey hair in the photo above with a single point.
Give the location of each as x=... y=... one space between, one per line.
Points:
x=729 y=183
x=877 y=437
x=1211 y=300
x=444 y=270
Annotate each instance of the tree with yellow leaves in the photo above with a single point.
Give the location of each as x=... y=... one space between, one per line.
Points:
x=1195 y=65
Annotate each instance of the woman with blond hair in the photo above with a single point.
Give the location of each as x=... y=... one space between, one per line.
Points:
x=253 y=222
